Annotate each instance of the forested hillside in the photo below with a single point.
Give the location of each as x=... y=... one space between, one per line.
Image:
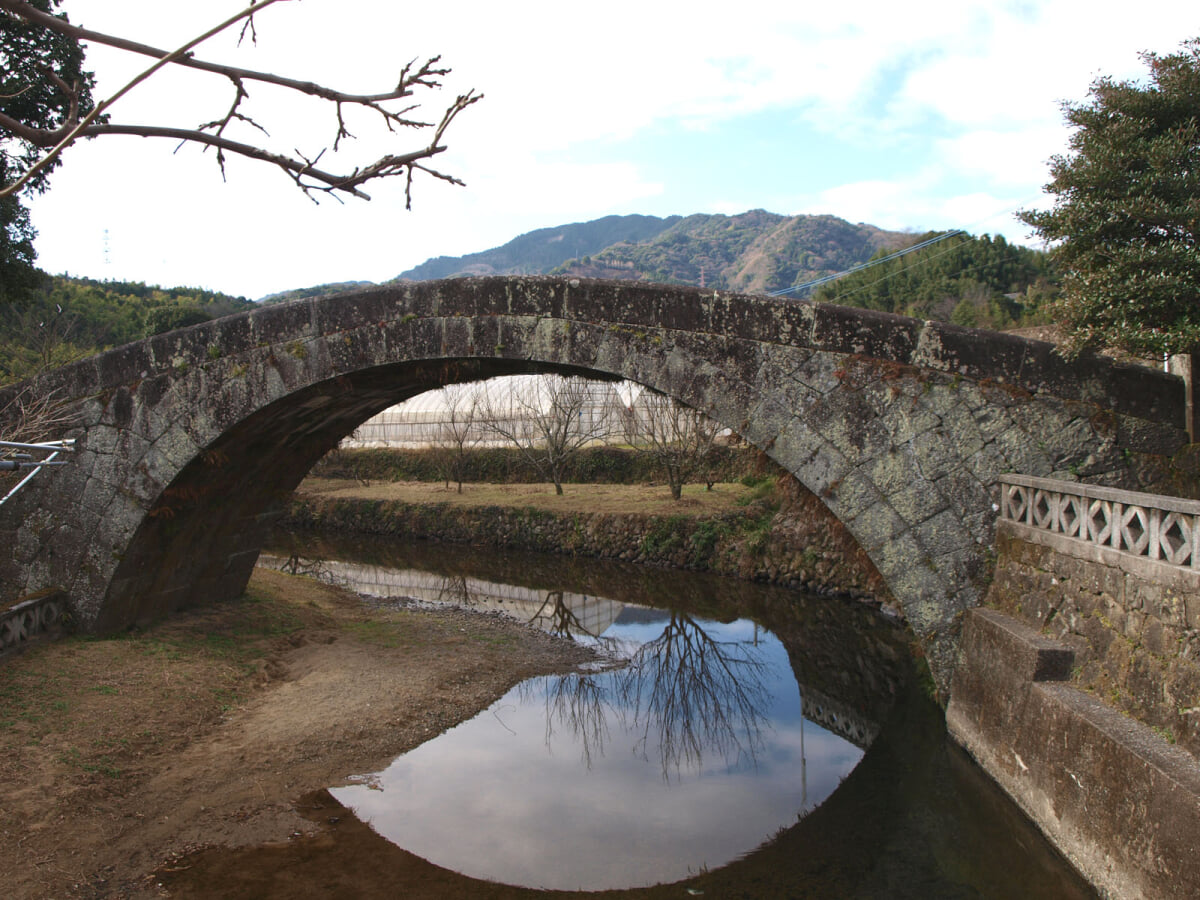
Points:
x=979 y=282
x=66 y=318
x=757 y=251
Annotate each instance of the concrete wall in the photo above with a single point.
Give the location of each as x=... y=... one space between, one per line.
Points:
x=1121 y=803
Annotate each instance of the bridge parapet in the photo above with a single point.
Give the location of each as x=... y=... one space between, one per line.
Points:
x=30 y=619
x=1128 y=529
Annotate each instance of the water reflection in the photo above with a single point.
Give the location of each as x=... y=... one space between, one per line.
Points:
x=687 y=757
x=914 y=819
x=686 y=751
x=559 y=612
x=690 y=691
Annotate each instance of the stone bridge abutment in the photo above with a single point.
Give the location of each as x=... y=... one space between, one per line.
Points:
x=190 y=443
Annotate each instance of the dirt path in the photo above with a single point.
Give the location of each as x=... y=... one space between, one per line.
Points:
x=119 y=755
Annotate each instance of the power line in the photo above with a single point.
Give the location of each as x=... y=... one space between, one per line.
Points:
x=921 y=246
x=928 y=259
x=817 y=282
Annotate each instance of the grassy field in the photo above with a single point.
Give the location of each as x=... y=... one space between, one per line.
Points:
x=595 y=498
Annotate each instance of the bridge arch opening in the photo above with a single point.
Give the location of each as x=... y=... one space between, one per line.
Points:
x=202 y=533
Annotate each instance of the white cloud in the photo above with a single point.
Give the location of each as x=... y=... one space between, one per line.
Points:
x=1016 y=158
x=961 y=94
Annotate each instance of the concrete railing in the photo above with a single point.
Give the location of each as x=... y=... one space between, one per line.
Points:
x=29 y=619
x=1148 y=526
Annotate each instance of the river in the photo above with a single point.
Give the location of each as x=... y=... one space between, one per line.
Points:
x=773 y=743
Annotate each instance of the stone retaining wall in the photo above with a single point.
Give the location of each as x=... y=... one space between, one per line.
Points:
x=799 y=546
x=1132 y=615
x=1078 y=690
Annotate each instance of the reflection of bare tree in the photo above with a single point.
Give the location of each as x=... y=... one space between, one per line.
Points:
x=295 y=564
x=455 y=590
x=696 y=694
x=556 y=617
x=578 y=702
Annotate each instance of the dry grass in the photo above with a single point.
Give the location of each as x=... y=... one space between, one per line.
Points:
x=598 y=498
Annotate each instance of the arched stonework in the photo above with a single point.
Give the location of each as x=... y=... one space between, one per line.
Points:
x=191 y=442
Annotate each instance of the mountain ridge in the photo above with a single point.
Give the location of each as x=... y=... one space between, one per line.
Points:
x=754 y=251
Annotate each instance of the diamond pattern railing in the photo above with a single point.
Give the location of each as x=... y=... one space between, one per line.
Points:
x=24 y=621
x=1153 y=526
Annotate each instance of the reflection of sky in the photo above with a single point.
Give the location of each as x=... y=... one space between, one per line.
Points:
x=499 y=798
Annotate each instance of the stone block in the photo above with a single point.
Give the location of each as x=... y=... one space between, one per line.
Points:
x=124 y=365
x=760 y=319
x=1099 y=635
x=1135 y=624
x=1157 y=639
x=904 y=420
x=878 y=335
x=943 y=534
x=282 y=322
x=1192 y=607
x=183 y=348
x=849 y=493
x=963 y=565
x=959 y=421
x=357 y=313
x=846 y=421
x=875 y=526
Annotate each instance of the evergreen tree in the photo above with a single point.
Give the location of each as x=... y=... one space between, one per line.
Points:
x=33 y=61
x=982 y=282
x=1127 y=212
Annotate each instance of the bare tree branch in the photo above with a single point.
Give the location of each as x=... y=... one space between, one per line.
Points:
x=548 y=419
x=301 y=169
x=28 y=415
x=679 y=438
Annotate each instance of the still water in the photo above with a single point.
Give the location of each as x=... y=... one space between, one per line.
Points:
x=686 y=757
x=732 y=737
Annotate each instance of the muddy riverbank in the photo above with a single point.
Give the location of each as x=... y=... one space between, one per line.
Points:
x=120 y=755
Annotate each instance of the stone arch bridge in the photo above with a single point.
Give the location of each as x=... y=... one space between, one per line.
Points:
x=190 y=443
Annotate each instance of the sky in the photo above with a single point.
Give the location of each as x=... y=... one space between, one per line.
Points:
x=910 y=116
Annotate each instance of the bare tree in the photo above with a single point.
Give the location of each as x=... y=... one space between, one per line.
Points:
x=549 y=419
x=680 y=438
x=394 y=107
x=27 y=418
x=459 y=431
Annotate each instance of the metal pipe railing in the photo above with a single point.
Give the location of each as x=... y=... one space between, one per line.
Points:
x=23 y=459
